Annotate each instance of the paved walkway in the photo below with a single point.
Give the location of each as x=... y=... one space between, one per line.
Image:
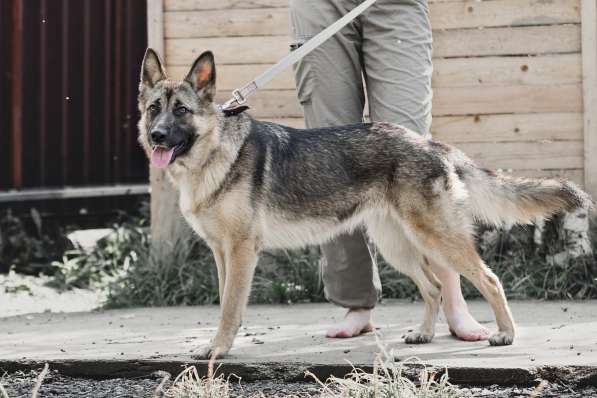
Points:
x=288 y=339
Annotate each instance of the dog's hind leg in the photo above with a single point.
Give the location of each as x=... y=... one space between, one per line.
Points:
x=448 y=242
x=398 y=251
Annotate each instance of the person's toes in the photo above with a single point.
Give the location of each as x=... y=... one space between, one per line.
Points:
x=338 y=333
x=472 y=334
x=347 y=331
x=332 y=333
x=344 y=334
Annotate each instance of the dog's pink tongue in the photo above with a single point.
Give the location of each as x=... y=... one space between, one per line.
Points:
x=160 y=157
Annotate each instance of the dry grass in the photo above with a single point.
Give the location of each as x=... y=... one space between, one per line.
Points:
x=40 y=379
x=38 y=382
x=3 y=393
x=188 y=384
x=408 y=379
x=388 y=381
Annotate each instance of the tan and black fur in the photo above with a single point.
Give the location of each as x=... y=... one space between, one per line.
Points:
x=247 y=185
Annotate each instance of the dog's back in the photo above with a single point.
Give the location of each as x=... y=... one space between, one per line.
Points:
x=328 y=172
x=333 y=173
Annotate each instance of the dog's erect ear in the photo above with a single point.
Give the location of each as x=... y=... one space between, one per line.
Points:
x=202 y=76
x=152 y=70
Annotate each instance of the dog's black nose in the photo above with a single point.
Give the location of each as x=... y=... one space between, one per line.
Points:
x=158 y=135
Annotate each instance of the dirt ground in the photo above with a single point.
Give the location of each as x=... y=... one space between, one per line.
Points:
x=55 y=385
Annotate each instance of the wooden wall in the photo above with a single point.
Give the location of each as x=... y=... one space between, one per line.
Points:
x=508 y=79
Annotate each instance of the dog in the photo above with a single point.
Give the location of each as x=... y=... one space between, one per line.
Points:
x=247 y=185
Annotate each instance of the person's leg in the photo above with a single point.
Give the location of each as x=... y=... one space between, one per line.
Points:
x=330 y=89
x=461 y=322
x=397 y=47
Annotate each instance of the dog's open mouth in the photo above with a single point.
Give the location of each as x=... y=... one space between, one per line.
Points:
x=161 y=156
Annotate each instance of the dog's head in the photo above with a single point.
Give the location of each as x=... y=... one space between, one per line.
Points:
x=175 y=114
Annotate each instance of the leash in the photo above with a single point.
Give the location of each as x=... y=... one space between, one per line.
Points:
x=239 y=95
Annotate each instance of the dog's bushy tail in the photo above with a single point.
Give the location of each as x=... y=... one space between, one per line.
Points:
x=498 y=199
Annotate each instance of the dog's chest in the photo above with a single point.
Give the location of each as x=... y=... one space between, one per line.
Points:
x=187 y=208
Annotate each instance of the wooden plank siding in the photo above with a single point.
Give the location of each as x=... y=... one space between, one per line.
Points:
x=508 y=74
x=589 y=62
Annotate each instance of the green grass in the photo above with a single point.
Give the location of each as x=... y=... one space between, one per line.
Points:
x=133 y=275
x=28 y=250
x=527 y=272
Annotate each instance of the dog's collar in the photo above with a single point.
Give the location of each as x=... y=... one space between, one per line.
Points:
x=234 y=111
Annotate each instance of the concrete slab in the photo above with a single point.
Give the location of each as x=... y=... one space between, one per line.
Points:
x=555 y=340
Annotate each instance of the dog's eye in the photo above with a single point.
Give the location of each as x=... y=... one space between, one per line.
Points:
x=181 y=110
x=153 y=108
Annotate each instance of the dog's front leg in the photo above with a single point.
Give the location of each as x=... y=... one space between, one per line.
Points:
x=220 y=260
x=241 y=259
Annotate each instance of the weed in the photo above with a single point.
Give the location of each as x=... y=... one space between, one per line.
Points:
x=284 y=277
x=133 y=274
x=528 y=271
x=112 y=256
x=388 y=380
x=188 y=384
x=186 y=275
x=24 y=250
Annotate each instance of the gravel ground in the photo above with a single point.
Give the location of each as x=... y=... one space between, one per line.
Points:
x=20 y=385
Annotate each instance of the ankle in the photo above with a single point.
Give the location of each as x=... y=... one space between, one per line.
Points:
x=358 y=311
x=455 y=307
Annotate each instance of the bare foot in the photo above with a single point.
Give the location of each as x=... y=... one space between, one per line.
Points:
x=464 y=326
x=461 y=322
x=354 y=323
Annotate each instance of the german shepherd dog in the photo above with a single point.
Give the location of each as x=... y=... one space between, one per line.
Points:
x=247 y=185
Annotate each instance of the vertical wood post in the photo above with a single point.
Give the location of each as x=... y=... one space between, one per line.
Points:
x=589 y=75
x=17 y=95
x=166 y=222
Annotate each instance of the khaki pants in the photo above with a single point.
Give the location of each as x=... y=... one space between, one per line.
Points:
x=388 y=51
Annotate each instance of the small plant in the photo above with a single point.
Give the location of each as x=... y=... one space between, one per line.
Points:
x=187 y=275
x=528 y=271
x=285 y=277
x=27 y=250
x=126 y=267
x=100 y=266
x=408 y=379
x=387 y=380
x=188 y=384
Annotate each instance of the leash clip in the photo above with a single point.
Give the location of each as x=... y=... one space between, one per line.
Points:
x=238 y=97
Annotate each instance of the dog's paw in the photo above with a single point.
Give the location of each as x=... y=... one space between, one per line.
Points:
x=501 y=338
x=418 y=338
x=208 y=352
